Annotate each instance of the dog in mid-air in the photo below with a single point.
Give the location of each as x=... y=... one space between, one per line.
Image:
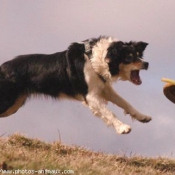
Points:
x=84 y=72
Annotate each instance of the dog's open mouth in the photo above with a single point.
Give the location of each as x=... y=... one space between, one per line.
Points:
x=135 y=78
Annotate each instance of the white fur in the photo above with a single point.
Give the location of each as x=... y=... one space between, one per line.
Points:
x=96 y=101
x=100 y=92
x=99 y=52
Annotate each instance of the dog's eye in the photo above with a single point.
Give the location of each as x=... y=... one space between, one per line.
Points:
x=140 y=55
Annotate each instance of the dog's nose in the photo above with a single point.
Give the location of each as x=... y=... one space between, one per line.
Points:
x=145 y=65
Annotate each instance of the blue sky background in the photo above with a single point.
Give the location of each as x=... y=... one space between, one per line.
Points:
x=45 y=26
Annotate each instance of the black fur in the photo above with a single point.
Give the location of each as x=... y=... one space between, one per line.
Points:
x=61 y=72
x=53 y=74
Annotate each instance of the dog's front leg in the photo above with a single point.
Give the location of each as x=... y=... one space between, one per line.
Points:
x=110 y=95
x=98 y=107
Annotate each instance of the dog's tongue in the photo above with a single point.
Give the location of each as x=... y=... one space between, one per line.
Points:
x=135 y=78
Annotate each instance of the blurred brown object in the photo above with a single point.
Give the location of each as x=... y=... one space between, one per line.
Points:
x=169 y=89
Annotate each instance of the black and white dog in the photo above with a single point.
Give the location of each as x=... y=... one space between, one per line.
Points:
x=85 y=72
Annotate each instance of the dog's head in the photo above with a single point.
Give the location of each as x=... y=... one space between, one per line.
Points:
x=126 y=60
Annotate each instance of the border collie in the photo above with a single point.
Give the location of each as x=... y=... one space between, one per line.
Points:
x=84 y=72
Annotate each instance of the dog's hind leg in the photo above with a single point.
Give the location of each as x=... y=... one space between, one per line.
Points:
x=98 y=107
x=10 y=99
x=16 y=105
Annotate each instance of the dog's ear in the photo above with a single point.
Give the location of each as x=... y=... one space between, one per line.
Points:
x=116 y=46
x=140 y=46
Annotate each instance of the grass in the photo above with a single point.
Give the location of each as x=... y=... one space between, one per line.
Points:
x=22 y=155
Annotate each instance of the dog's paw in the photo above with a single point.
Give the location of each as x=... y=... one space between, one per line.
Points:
x=123 y=129
x=140 y=117
x=146 y=119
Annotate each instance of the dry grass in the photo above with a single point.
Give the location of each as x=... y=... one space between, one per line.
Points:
x=20 y=153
